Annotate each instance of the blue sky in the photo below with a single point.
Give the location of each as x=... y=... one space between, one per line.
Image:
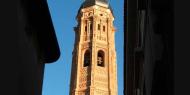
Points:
x=63 y=13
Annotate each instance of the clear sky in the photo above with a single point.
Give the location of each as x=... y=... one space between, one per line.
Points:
x=63 y=13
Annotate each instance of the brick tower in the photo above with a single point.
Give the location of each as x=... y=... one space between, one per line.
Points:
x=94 y=68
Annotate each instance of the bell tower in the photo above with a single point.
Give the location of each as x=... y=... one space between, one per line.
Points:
x=94 y=68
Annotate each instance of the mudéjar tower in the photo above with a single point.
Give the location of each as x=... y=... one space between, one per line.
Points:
x=94 y=68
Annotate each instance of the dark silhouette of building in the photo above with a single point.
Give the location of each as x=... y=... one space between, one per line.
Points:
x=148 y=47
x=37 y=45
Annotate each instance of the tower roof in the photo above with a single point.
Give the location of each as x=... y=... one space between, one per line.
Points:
x=103 y=3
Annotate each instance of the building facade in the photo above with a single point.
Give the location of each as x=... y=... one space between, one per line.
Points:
x=36 y=44
x=94 y=68
x=148 y=58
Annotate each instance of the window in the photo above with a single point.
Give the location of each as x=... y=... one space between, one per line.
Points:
x=87 y=58
x=104 y=28
x=91 y=27
x=85 y=33
x=100 y=58
x=98 y=26
x=85 y=28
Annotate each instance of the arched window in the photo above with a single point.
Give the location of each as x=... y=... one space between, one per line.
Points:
x=100 y=58
x=87 y=58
